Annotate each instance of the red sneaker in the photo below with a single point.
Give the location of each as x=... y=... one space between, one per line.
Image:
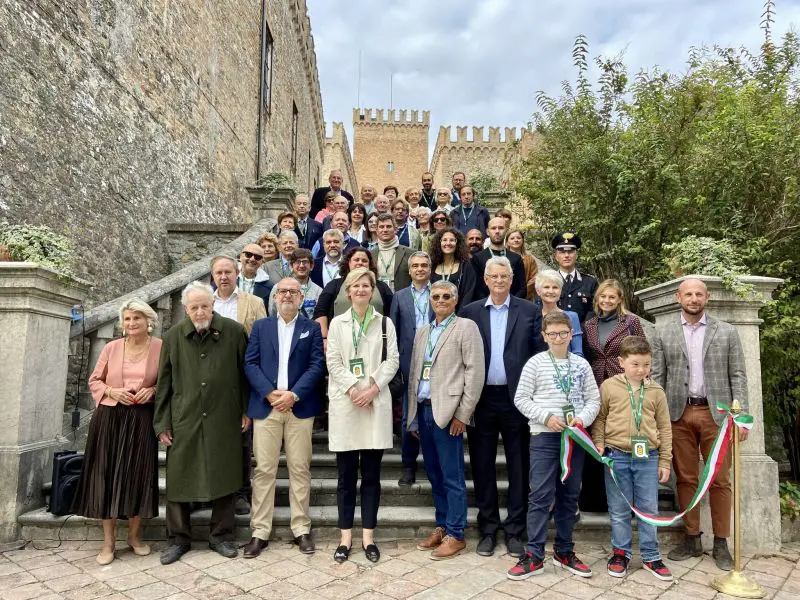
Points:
x=571 y=563
x=618 y=564
x=527 y=566
x=658 y=569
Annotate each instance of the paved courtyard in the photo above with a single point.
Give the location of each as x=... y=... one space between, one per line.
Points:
x=71 y=572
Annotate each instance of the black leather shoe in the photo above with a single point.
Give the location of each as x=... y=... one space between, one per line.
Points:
x=173 y=553
x=408 y=477
x=342 y=554
x=254 y=547
x=306 y=543
x=486 y=545
x=372 y=553
x=515 y=547
x=226 y=549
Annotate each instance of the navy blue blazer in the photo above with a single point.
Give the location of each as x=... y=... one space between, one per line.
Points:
x=477 y=218
x=313 y=233
x=318 y=199
x=523 y=335
x=404 y=318
x=262 y=289
x=306 y=364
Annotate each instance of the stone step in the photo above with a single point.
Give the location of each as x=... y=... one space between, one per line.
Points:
x=394 y=523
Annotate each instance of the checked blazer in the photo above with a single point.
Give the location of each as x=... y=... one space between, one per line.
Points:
x=604 y=359
x=724 y=376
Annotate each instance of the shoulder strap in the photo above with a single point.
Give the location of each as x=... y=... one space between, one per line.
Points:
x=630 y=324
x=383 y=338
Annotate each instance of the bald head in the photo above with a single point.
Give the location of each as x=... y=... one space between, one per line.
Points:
x=692 y=295
x=383 y=204
x=251 y=258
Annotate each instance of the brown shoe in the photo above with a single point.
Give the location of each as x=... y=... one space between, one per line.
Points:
x=433 y=541
x=449 y=548
x=254 y=547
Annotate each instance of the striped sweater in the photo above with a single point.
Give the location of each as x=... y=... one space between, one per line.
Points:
x=539 y=396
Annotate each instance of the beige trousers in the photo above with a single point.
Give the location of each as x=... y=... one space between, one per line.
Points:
x=267 y=437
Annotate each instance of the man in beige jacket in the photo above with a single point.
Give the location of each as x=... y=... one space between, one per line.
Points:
x=445 y=382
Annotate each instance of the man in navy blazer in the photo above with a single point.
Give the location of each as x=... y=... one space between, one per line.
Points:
x=308 y=230
x=511 y=331
x=411 y=310
x=335 y=180
x=283 y=403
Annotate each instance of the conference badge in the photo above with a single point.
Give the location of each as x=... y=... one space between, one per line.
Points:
x=426 y=371
x=357 y=367
x=569 y=414
x=640 y=447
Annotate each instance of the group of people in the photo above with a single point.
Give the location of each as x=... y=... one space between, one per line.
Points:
x=428 y=326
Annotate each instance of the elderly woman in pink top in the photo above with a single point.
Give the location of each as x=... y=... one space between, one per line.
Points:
x=119 y=479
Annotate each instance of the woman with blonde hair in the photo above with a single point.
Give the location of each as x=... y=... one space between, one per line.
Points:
x=269 y=244
x=515 y=241
x=119 y=479
x=360 y=409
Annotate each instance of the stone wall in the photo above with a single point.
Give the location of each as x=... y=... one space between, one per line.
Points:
x=380 y=139
x=187 y=243
x=119 y=116
x=337 y=156
x=495 y=154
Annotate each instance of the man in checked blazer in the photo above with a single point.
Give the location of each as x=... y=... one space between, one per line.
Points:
x=699 y=361
x=445 y=383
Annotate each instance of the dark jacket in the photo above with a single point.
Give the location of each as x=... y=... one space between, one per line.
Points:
x=518 y=284
x=578 y=296
x=318 y=199
x=477 y=218
x=404 y=316
x=523 y=335
x=466 y=283
x=402 y=279
x=604 y=359
x=313 y=233
x=306 y=366
x=316 y=272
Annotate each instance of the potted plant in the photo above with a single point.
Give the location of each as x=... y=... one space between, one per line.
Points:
x=36 y=244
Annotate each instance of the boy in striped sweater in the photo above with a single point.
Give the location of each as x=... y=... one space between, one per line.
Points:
x=634 y=429
x=555 y=388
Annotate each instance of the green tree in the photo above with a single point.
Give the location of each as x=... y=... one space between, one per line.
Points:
x=638 y=163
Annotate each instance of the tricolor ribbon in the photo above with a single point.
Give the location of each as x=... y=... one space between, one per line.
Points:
x=713 y=464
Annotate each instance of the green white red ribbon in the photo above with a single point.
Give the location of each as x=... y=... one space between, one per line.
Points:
x=713 y=464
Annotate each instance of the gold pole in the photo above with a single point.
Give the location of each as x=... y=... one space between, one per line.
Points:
x=735 y=583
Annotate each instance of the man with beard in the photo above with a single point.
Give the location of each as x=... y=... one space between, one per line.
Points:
x=474 y=241
x=497 y=236
x=340 y=221
x=428 y=191
x=327 y=268
x=459 y=180
x=200 y=414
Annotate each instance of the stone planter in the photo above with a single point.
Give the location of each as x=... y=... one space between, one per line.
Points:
x=494 y=201
x=270 y=203
x=35 y=316
x=790 y=530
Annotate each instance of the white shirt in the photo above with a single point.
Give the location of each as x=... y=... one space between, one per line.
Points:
x=285 y=333
x=227 y=308
x=565 y=274
x=330 y=270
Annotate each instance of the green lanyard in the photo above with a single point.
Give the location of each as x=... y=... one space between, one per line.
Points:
x=564 y=382
x=445 y=325
x=362 y=327
x=417 y=297
x=386 y=265
x=636 y=410
x=464 y=215
x=446 y=276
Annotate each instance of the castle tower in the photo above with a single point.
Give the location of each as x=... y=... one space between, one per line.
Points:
x=390 y=149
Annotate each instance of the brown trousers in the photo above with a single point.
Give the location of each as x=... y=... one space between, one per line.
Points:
x=223 y=516
x=696 y=429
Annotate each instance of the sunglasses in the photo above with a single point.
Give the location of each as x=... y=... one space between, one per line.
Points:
x=253 y=255
x=445 y=297
x=440 y=220
x=442 y=194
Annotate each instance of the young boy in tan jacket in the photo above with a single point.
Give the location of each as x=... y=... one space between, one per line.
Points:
x=633 y=428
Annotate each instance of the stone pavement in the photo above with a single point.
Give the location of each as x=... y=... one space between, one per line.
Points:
x=71 y=572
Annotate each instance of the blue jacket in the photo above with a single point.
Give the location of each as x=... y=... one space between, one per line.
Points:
x=403 y=317
x=306 y=366
x=313 y=233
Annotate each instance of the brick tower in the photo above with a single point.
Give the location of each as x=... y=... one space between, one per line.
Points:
x=389 y=150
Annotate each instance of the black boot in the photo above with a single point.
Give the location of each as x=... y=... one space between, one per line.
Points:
x=721 y=555
x=690 y=547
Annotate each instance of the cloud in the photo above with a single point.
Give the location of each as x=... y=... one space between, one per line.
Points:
x=480 y=62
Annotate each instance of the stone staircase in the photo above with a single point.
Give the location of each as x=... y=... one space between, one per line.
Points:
x=405 y=513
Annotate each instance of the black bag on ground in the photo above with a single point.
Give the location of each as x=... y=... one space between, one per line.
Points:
x=67 y=467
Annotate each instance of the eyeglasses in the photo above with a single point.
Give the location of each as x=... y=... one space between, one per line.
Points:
x=301 y=261
x=499 y=276
x=253 y=255
x=440 y=220
x=554 y=335
x=281 y=292
x=445 y=297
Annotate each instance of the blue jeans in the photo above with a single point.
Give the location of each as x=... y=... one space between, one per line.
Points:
x=546 y=486
x=638 y=480
x=444 y=461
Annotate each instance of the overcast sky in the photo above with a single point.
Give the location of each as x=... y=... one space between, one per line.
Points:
x=480 y=62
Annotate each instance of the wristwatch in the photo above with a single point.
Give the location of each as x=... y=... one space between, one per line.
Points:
x=295 y=397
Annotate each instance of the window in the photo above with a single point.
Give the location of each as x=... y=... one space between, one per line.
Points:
x=293 y=167
x=267 y=45
x=390 y=167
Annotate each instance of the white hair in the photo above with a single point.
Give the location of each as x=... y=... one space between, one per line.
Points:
x=333 y=233
x=501 y=261
x=196 y=286
x=287 y=233
x=140 y=306
x=548 y=276
x=423 y=210
x=445 y=285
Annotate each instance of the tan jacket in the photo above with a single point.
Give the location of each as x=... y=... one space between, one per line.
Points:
x=614 y=425
x=249 y=309
x=349 y=426
x=457 y=372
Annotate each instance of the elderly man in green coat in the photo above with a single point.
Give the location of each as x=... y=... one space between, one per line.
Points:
x=200 y=414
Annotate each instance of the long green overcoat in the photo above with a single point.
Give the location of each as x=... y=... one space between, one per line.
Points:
x=201 y=396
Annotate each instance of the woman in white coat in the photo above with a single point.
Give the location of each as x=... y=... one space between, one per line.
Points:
x=360 y=410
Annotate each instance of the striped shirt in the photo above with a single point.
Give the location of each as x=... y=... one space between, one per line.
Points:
x=539 y=396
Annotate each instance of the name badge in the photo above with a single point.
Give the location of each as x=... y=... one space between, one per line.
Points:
x=357 y=367
x=569 y=414
x=426 y=371
x=640 y=447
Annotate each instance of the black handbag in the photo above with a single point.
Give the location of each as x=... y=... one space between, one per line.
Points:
x=397 y=386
